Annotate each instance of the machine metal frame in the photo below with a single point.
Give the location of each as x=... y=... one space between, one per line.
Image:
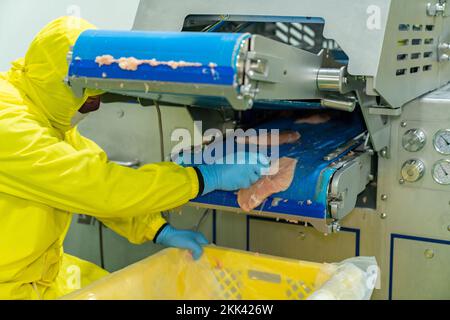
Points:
x=409 y=230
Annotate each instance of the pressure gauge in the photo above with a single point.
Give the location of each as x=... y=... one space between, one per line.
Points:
x=413 y=170
x=441 y=172
x=414 y=140
x=442 y=141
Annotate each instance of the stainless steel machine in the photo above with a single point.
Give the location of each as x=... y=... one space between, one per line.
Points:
x=379 y=168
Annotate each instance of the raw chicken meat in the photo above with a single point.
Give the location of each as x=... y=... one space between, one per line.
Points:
x=314 y=119
x=181 y=64
x=271 y=140
x=132 y=64
x=279 y=179
x=105 y=60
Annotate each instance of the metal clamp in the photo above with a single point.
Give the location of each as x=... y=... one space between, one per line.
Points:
x=264 y=67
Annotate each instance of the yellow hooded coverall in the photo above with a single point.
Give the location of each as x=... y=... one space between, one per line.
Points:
x=48 y=170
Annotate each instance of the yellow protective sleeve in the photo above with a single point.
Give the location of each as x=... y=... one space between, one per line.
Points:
x=39 y=166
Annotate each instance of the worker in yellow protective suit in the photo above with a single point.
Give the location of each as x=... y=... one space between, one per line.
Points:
x=48 y=170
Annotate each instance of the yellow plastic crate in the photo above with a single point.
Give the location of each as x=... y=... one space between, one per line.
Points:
x=220 y=274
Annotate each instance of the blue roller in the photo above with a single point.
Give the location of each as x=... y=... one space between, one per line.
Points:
x=221 y=49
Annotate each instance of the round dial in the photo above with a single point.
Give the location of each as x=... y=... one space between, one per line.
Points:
x=414 y=140
x=441 y=172
x=442 y=142
x=413 y=170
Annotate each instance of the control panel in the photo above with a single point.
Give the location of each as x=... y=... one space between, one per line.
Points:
x=425 y=154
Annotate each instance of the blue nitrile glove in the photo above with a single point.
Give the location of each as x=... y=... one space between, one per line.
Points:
x=182 y=239
x=237 y=175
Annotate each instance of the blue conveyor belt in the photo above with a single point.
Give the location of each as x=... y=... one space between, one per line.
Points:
x=313 y=173
x=220 y=49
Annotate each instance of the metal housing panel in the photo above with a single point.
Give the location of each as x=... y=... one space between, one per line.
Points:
x=299 y=242
x=367 y=31
x=420 y=270
x=404 y=60
x=362 y=44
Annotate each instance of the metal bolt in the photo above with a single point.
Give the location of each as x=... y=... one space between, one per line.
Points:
x=384 y=197
x=444 y=57
x=383 y=216
x=403 y=124
x=429 y=254
x=384 y=153
x=336 y=227
x=402 y=181
x=444 y=46
x=448 y=228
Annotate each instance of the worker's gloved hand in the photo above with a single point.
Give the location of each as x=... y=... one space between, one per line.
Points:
x=240 y=171
x=182 y=239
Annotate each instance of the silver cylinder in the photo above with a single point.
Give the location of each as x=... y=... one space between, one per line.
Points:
x=348 y=105
x=330 y=79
